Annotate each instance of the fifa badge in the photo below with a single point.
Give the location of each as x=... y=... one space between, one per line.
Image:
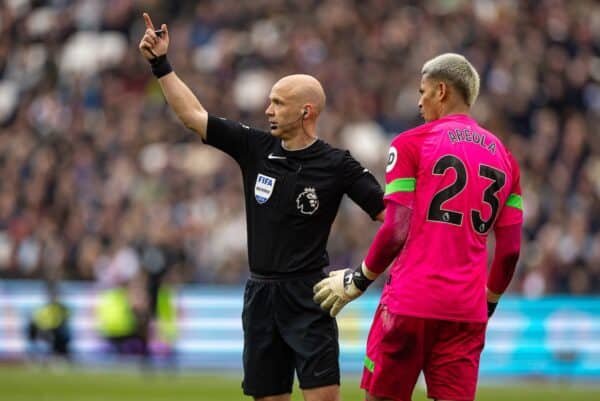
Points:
x=263 y=189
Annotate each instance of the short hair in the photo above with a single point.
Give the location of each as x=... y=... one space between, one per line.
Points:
x=457 y=71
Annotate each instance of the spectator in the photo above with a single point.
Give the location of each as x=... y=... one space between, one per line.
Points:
x=88 y=150
x=48 y=330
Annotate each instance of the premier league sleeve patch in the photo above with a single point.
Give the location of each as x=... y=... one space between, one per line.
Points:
x=263 y=188
x=392 y=159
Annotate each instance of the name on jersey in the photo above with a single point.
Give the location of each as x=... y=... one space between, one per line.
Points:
x=466 y=135
x=263 y=188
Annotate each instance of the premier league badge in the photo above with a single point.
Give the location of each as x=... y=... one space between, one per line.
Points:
x=263 y=188
x=307 y=202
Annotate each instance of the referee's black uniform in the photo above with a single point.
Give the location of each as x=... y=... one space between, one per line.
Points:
x=292 y=198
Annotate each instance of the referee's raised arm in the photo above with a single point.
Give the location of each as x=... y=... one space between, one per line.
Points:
x=187 y=107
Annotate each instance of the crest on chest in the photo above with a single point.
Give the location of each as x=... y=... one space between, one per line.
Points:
x=308 y=201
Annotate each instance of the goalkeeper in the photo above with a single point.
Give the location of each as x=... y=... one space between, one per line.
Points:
x=448 y=184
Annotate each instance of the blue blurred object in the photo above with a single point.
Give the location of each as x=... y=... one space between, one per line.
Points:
x=553 y=337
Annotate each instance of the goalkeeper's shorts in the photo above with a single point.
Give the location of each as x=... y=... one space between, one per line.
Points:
x=285 y=331
x=399 y=347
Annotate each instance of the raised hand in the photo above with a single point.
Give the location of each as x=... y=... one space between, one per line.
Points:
x=152 y=45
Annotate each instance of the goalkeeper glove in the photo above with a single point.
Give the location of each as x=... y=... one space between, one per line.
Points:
x=341 y=287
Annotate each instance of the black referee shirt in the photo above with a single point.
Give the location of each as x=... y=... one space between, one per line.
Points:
x=292 y=197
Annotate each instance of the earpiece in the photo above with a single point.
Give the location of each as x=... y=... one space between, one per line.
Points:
x=305 y=113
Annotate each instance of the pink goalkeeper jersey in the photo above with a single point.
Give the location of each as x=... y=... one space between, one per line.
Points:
x=460 y=182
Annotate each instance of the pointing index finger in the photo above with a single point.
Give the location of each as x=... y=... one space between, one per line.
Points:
x=148 y=21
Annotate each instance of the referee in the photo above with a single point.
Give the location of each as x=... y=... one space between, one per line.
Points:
x=293 y=186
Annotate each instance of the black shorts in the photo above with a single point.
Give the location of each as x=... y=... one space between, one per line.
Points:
x=286 y=331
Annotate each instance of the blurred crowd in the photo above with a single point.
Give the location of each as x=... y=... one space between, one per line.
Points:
x=99 y=181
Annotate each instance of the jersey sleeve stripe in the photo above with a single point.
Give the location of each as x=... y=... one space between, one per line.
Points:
x=369 y=364
x=401 y=185
x=515 y=201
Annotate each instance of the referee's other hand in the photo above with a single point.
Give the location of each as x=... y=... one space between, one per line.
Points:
x=155 y=43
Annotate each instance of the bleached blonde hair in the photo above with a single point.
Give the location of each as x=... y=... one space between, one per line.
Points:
x=456 y=70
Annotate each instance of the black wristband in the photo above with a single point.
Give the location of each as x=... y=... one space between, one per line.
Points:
x=160 y=66
x=360 y=280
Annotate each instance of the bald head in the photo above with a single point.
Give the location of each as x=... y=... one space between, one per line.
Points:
x=302 y=89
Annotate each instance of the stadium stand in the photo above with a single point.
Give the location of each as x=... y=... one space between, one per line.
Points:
x=99 y=181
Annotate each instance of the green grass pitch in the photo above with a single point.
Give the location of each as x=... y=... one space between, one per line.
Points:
x=36 y=384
